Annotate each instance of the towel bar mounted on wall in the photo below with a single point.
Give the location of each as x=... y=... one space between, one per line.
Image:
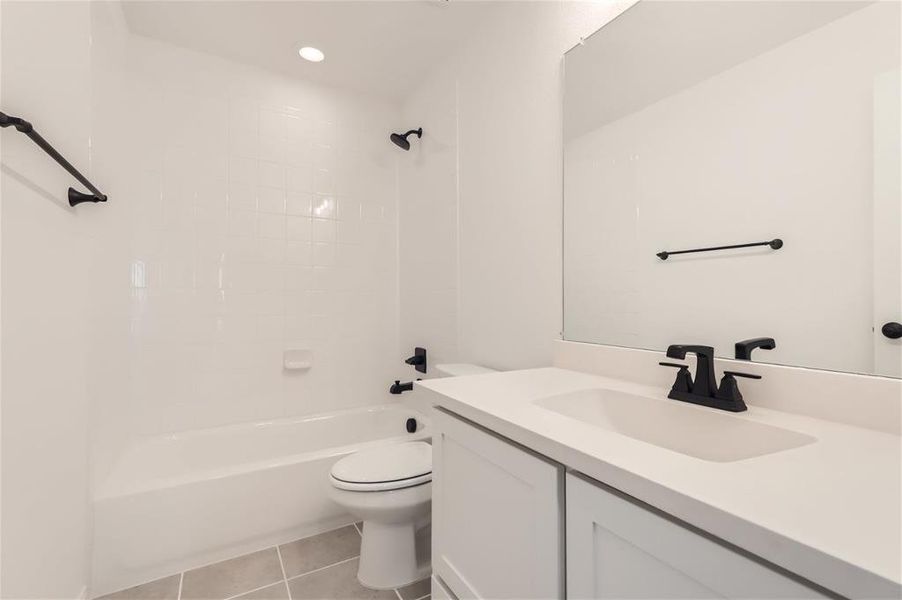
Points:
x=75 y=197
x=775 y=243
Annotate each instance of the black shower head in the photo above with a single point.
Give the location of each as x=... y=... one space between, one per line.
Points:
x=400 y=140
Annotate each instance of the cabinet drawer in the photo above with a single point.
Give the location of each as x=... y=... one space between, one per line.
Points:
x=497 y=516
x=617 y=548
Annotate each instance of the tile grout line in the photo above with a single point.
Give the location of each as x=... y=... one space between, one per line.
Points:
x=398 y=594
x=285 y=578
x=256 y=589
x=282 y=566
x=341 y=562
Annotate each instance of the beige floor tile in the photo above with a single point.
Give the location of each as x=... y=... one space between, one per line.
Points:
x=278 y=591
x=308 y=554
x=232 y=577
x=416 y=590
x=335 y=583
x=161 y=589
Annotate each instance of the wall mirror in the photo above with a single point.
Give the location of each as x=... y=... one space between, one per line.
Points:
x=691 y=125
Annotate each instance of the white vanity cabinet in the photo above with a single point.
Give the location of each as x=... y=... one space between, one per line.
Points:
x=497 y=509
x=500 y=519
x=617 y=548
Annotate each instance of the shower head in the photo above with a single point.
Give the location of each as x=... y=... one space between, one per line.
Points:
x=400 y=140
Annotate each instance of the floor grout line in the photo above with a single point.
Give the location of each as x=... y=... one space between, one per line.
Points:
x=282 y=566
x=256 y=589
x=398 y=594
x=341 y=562
x=425 y=596
x=285 y=578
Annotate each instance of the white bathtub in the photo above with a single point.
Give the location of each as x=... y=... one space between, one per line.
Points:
x=182 y=500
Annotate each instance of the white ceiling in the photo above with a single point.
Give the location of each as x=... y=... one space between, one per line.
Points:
x=375 y=47
x=657 y=48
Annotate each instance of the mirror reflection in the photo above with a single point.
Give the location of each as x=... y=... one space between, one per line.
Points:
x=774 y=126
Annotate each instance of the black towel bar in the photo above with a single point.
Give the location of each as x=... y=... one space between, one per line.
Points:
x=775 y=243
x=75 y=197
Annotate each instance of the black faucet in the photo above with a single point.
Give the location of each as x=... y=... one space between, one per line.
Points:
x=398 y=387
x=703 y=389
x=745 y=347
x=705 y=380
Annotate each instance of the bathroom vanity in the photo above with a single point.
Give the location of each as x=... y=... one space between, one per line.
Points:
x=702 y=204
x=557 y=483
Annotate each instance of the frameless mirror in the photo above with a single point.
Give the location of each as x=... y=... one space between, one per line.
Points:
x=698 y=125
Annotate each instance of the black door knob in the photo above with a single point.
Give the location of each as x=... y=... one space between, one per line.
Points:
x=892 y=330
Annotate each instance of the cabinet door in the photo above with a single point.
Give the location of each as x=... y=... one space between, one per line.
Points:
x=617 y=548
x=497 y=521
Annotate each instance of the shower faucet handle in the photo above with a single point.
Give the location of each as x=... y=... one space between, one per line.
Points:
x=418 y=360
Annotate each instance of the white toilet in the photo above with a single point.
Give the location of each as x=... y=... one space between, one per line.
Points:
x=390 y=489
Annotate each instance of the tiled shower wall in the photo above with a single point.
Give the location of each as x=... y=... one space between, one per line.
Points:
x=250 y=214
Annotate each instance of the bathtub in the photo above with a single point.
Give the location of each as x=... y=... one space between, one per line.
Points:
x=177 y=501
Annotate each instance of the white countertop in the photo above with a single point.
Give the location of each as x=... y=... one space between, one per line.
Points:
x=828 y=511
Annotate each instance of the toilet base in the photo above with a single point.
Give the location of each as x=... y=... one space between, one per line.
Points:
x=395 y=548
x=389 y=558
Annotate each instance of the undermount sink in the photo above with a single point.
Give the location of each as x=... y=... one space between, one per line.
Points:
x=698 y=432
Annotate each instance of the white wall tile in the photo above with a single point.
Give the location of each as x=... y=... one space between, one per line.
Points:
x=271 y=174
x=271 y=226
x=299 y=178
x=242 y=170
x=242 y=196
x=324 y=230
x=298 y=229
x=324 y=206
x=271 y=200
x=298 y=203
x=235 y=231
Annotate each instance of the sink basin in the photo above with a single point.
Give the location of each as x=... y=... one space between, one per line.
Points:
x=694 y=431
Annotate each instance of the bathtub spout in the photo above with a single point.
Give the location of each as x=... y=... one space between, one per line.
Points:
x=398 y=387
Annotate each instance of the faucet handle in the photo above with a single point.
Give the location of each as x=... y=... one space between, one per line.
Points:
x=729 y=392
x=674 y=365
x=738 y=374
x=683 y=382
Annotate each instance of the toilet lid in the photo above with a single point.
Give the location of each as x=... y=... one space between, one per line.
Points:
x=392 y=466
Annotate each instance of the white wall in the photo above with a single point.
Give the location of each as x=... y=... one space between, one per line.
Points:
x=506 y=268
x=249 y=213
x=47 y=250
x=428 y=240
x=777 y=146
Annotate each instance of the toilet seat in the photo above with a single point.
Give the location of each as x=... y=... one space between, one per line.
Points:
x=388 y=467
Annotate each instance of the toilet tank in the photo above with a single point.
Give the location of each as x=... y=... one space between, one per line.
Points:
x=420 y=402
x=460 y=369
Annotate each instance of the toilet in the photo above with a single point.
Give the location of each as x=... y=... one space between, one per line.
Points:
x=389 y=488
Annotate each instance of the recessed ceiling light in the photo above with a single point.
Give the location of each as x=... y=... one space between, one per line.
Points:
x=311 y=54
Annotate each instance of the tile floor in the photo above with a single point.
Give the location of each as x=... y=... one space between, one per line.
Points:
x=322 y=567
